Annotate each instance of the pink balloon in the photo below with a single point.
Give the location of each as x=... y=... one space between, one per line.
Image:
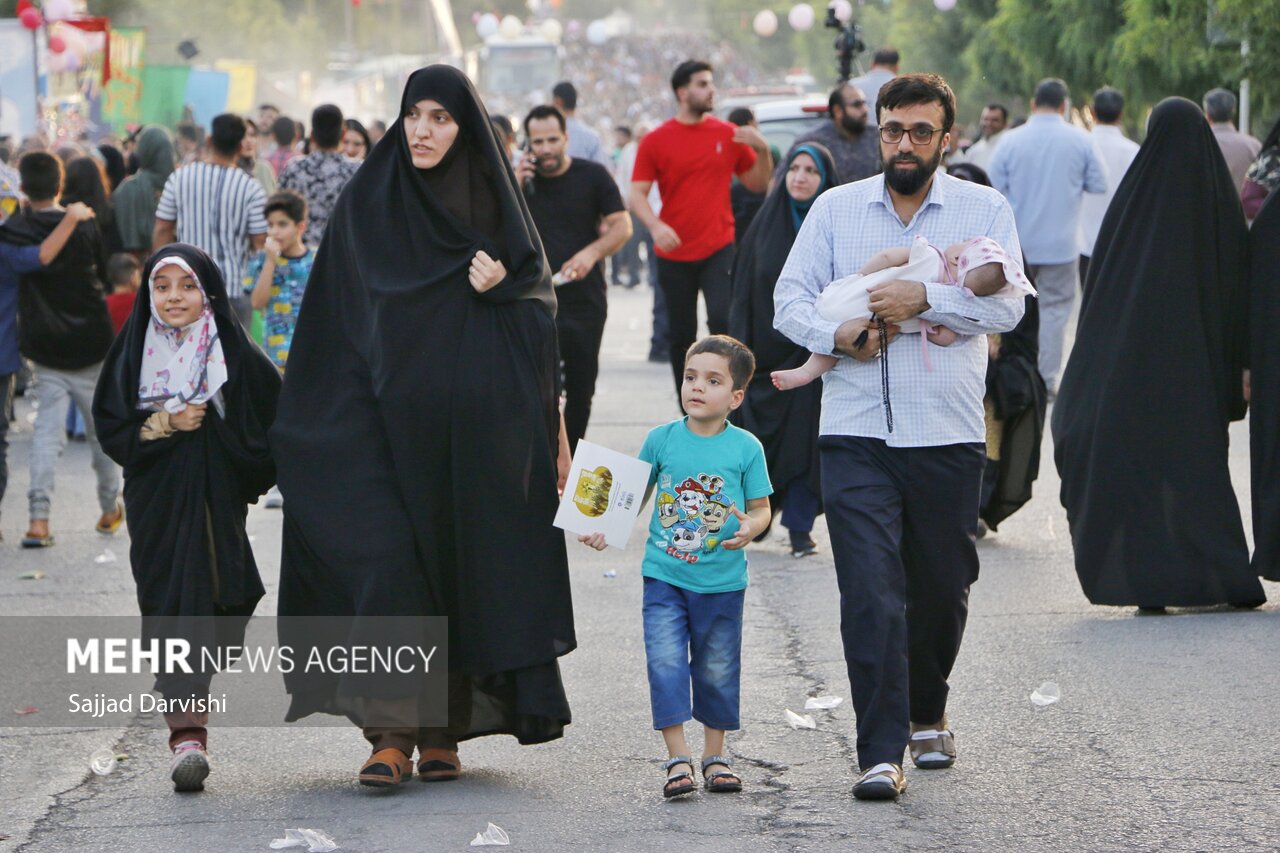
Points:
x=31 y=19
x=56 y=44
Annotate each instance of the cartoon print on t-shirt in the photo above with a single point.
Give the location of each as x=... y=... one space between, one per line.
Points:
x=692 y=513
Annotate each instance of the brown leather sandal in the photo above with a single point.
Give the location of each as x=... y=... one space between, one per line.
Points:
x=933 y=747
x=438 y=765
x=386 y=768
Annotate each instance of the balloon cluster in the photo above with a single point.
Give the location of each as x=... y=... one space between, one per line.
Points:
x=801 y=18
x=511 y=27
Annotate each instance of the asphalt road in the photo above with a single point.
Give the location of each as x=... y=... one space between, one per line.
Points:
x=1165 y=736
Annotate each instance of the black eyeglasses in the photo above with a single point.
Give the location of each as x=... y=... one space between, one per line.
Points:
x=921 y=134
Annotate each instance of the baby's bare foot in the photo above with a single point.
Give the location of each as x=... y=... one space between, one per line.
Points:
x=788 y=380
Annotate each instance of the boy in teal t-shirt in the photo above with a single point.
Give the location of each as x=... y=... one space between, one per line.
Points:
x=695 y=572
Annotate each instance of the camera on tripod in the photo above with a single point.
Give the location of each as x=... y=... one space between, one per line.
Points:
x=848 y=43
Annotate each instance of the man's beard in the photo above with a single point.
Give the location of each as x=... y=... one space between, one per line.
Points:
x=550 y=165
x=853 y=125
x=908 y=182
x=701 y=107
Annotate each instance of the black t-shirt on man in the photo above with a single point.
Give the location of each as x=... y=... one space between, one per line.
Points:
x=567 y=211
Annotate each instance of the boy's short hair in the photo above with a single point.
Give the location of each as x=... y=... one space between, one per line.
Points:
x=909 y=90
x=121 y=267
x=288 y=202
x=41 y=175
x=742 y=363
x=283 y=130
x=226 y=132
x=327 y=126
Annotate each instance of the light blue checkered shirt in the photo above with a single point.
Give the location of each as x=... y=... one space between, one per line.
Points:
x=844 y=229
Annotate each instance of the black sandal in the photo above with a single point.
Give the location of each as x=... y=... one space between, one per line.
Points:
x=668 y=791
x=723 y=782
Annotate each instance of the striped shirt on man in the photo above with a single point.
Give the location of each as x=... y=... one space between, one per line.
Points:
x=217 y=209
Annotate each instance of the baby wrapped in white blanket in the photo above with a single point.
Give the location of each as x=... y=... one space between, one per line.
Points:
x=978 y=265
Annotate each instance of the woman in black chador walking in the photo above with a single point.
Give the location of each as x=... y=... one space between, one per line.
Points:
x=417 y=440
x=1155 y=379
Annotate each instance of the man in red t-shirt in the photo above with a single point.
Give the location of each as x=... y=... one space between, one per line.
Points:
x=693 y=158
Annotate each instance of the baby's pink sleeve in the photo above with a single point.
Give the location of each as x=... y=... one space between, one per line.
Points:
x=981 y=251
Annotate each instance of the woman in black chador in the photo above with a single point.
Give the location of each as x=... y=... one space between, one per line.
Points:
x=786 y=422
x=1155 y=378
x=1264 y=419
x=417 y=438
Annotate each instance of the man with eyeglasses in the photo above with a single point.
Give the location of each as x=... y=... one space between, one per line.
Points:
x=1044 y=168
x=853 y=146
x=901 y=436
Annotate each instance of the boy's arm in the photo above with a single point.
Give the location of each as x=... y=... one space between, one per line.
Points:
x=750 y=523
x=261 y=294
x=77 y=212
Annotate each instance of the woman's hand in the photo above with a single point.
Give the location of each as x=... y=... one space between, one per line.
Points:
x=485 y=272
x=190 y=418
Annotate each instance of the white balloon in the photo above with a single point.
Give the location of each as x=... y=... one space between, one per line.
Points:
x=487 y=25
x=801 y=17
x=844 y=10
x=944 y=5
x=511 y=27
x=551 y=29
x=58 y=10
x=765 y=24
x=597 y=32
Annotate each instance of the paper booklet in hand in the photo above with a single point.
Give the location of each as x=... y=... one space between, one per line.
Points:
x=604 y=493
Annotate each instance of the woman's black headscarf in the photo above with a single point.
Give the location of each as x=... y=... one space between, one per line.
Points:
x=1154 y=379
x=115 y=165
x=181 y=488
x=418 y=425
x=1264 y=361
x=786 y=422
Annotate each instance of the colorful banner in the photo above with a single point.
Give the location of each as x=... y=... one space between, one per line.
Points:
x=206 y=94
x=243 y=83
x=19 y=111
x=164 y=90
x=122 y=104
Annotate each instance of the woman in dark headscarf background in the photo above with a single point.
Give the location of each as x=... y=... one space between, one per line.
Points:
x=139 y=195
x=1015 y=405
x=1155 y=378
x=1264 y=383
x=421 y=390
x=113 y=162
x=786 y=422
x=86 y=181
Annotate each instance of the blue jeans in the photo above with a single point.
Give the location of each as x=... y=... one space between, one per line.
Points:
x=693 y=638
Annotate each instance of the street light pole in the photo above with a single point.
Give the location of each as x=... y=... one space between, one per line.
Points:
x=1244 y=88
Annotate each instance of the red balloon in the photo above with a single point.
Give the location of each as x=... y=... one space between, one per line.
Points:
x=31 y=18
x=23 y=5
x=56 y=44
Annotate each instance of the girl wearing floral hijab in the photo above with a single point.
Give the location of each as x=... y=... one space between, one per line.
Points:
x=183 y=405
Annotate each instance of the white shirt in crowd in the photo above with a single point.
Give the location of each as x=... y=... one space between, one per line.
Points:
x=1116 y=152
x=217 y=209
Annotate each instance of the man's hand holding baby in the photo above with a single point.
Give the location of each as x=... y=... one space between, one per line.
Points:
x=898 y=301
x=850 y=331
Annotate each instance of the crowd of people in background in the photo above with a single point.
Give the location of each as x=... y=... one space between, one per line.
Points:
x=481 y=219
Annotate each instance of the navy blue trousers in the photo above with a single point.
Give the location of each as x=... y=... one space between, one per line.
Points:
x=903 y=524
